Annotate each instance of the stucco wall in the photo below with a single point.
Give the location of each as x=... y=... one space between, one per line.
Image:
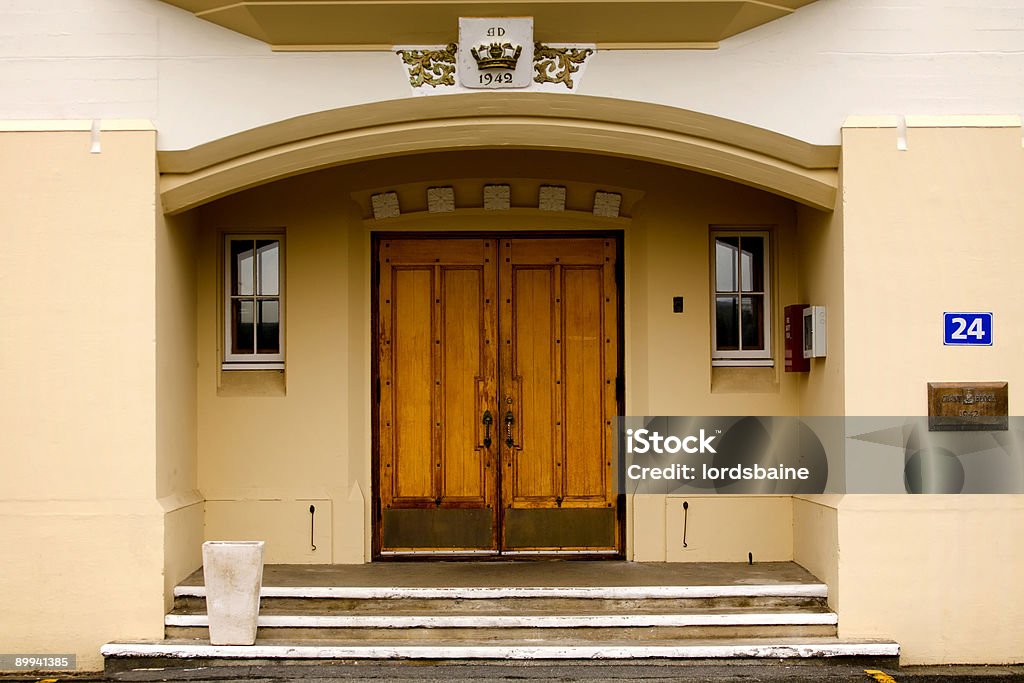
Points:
x=800 y=75
x=816 y=540
x=815 y=518
x=282 y=441
x=79 y=519
x=931 y=229
x=176 y=463
x=668 y=368
x=821 y=250
x=938 y=574
x=934 y=228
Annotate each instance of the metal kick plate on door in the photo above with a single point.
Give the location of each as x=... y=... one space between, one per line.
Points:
x=438 y=528
x=560 y=528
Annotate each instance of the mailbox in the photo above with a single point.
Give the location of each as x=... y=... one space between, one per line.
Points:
x=794 y=328
x=814 y=332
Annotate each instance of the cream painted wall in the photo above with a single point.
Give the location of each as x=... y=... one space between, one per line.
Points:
x=668 y=254
x=79 y=518
x=820 y=239
x=816 y=539
x=176 y=464
x=821 y=283
x=727 y=528
x=199 y=82
x=301 y=437
x=668 y=369
x=310 y=438
x=939 y=574
x=936 y=227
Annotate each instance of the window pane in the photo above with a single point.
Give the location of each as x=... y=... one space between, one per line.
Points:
x=727 y=323
x=726 y=249
x=268 y=339
x=753 y=323
x=241 y=267
x=752 y=264
x=267 y=261
x=241 y=326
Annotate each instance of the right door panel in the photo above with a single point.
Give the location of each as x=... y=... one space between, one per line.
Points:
x=558 y=380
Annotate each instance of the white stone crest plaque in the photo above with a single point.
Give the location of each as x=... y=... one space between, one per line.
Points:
x=496 y=52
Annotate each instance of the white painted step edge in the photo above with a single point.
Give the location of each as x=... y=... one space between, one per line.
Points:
x=780 y=650
x=782 y=590
x=524 y=621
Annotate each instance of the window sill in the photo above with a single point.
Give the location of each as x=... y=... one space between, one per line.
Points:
x=256 y=382
x=744 y=379
x=742 y=363
x=252 y=366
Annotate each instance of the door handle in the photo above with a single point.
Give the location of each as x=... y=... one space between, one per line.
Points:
x=487 y=420
x=510 y=420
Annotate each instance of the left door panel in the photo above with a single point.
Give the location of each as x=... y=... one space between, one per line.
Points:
x=436 y=343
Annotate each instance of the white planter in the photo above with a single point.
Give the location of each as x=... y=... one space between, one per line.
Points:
x=233 y=573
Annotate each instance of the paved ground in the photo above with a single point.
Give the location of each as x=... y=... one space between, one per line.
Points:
x=575 y=671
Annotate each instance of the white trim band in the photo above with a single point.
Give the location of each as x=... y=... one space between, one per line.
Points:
x=524 y=621
x=781 y=590
x=794 y=649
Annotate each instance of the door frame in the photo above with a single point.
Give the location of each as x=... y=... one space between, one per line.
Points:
x=378 y=236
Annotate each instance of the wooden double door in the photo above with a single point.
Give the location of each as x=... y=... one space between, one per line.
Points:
x=498 y=383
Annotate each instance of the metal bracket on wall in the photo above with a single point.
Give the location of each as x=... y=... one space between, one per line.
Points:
x=312 y=517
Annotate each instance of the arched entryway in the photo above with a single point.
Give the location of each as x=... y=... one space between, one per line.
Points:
x=313 y=182
x=540 y=121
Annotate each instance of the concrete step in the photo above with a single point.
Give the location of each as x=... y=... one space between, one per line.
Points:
x=516 y=606
x=650 y=625
x=189 y=604
x=565 y=611
x=124 y=656
x=461 y=613
x=624 y=592
x=519 y=600
x=550 y=620
x=471 y=633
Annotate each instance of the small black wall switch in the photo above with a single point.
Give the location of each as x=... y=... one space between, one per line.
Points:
x=677 y=304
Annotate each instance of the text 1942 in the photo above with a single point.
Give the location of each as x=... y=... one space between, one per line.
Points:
x=488 y=78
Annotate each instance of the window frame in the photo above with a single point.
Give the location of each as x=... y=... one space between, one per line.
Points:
x=743 y=357
x=255 y=360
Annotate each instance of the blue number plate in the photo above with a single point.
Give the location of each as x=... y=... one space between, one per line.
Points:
x=967 y=329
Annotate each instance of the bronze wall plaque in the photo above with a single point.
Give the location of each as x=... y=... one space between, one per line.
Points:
x=967 y=406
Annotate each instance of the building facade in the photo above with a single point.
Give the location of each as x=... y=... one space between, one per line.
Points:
x=266 y=274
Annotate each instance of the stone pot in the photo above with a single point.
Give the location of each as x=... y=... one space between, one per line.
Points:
x=233 y=573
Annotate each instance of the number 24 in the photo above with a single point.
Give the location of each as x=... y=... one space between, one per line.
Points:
x=962 y=330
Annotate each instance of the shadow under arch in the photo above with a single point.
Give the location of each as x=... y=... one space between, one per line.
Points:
x=536 y=121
